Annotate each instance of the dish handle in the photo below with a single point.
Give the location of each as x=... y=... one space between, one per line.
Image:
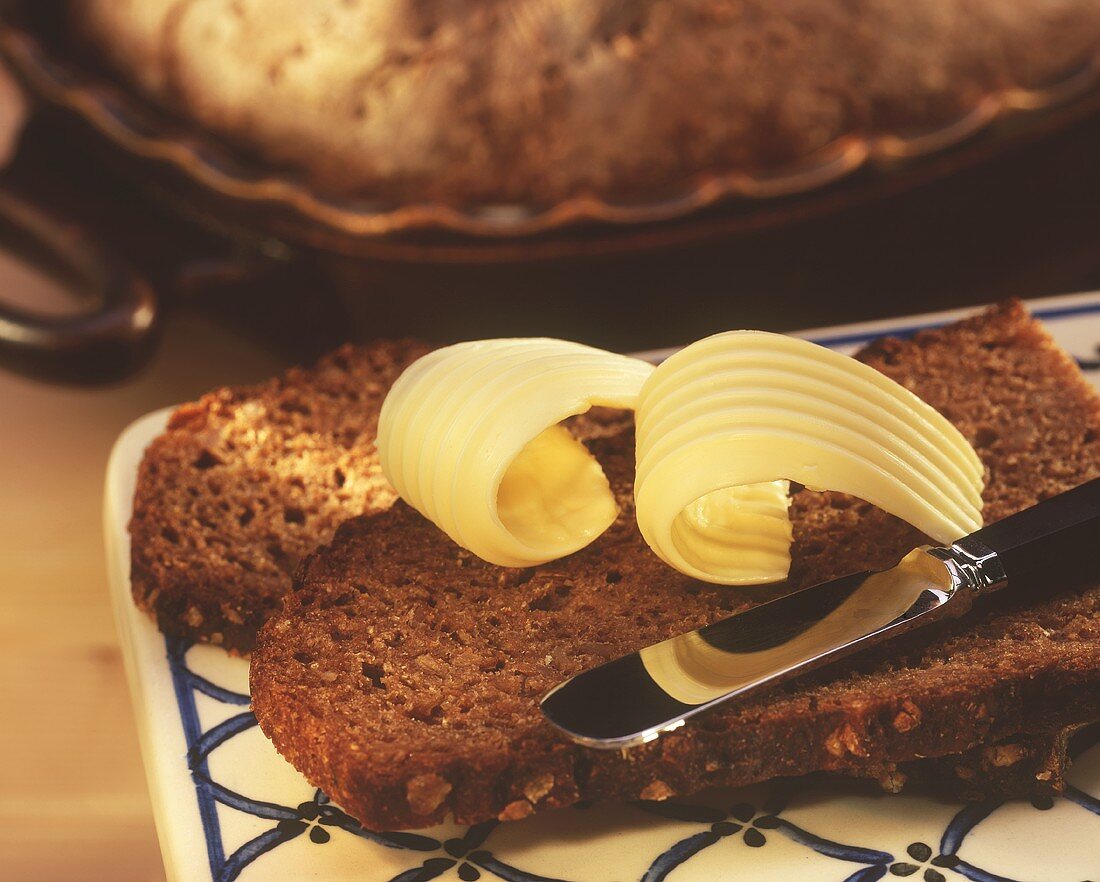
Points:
x=102 y=342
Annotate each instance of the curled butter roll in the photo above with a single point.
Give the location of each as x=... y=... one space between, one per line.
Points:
x=722 y=424
x=470 y=437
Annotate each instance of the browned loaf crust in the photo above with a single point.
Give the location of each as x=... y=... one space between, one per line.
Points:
x=533 y=102
x=403 y=674
x=245 y=482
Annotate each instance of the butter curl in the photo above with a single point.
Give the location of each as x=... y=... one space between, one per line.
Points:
x=470 y=436
x=724 y=423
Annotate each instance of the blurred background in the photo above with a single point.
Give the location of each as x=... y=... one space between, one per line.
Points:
x=145 y=259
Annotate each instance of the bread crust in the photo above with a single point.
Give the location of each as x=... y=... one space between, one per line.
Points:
x=534 y=102
x=402 y=675
x=1024 y=766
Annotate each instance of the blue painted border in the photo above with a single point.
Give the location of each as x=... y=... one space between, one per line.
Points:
x=176 y=650
x=185 y=683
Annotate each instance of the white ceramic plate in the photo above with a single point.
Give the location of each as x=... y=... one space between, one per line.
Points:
x=228 y=807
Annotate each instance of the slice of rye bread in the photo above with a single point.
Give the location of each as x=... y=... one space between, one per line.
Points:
x=245 y=482
x=403 y=674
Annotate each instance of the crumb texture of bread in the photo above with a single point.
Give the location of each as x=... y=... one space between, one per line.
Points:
x=403 y=674
x=245 y=482
x=530 y=101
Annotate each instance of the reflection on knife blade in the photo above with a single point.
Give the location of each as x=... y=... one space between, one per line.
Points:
x=766 y=642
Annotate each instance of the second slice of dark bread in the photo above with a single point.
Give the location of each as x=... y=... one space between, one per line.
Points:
x=403 y=674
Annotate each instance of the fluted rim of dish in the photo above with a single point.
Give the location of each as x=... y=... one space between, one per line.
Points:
x=133 y=125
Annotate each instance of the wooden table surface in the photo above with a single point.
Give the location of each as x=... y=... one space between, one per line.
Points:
x=73 y=804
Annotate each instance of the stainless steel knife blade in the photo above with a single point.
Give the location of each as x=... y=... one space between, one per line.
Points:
x=634 y=699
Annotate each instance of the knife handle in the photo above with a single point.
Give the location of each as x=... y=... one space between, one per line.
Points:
x=1055 y=543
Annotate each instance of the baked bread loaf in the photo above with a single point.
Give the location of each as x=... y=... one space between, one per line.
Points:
x=402 y=675
x=531 y=101
x=245 y=482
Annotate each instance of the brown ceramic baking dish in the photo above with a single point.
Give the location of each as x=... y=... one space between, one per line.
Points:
x=211 y=181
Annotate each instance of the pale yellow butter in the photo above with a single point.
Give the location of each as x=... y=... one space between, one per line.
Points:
x=470 y=437
x=722 y=424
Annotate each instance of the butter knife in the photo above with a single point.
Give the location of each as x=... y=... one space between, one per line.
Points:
x=633 y=699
